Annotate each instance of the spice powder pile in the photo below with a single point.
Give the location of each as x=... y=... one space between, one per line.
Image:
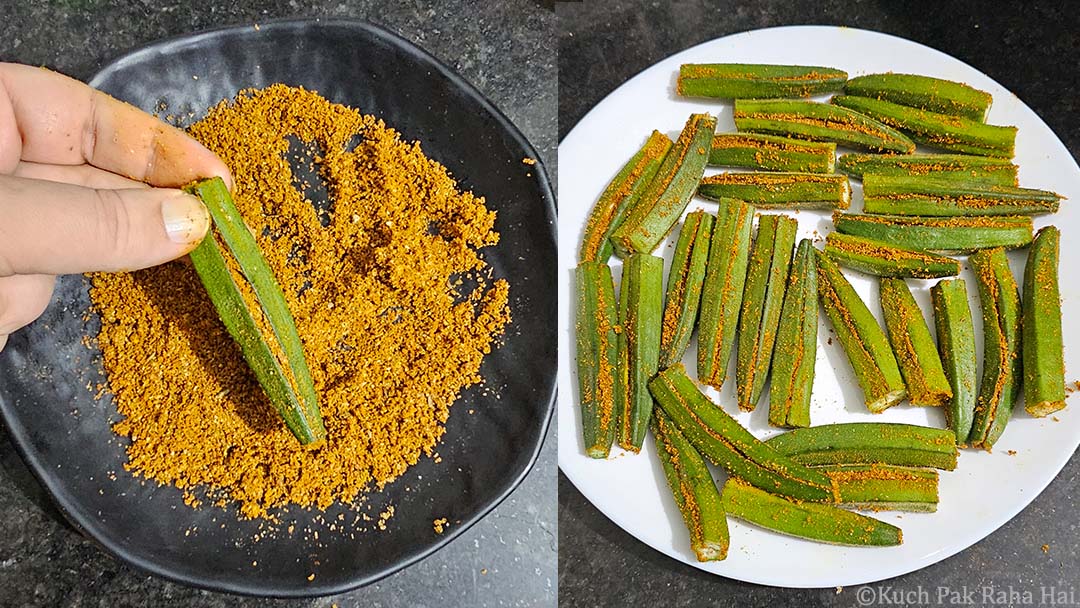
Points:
x=390 y=330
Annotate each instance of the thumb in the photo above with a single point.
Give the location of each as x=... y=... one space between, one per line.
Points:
x=55 y=228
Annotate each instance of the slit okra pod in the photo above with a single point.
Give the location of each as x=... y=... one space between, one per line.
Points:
x=819 y=122
x=955 y=234
x=877 y=487
x=817 y=522
x=721 y=439
x=771 y=153
x=597 y=348
x=952 y=133
x=1000 y=386
x=861 y=337
x=956 y=341
x=1043 y=360
x=934 y=196
x=913 y=345
x=619 y=196
x=923 y=92
x=883 y=259
x=887 y=443
x=756 y=81
x=985 y=169
x=693 y=489
x=722 y=293
x=795 y=351
x=768 y=189
x=641 y=305
x=665 y=198
x=685 y=280
x=763 y=297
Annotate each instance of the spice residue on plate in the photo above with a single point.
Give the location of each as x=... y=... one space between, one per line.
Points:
x=394 y=304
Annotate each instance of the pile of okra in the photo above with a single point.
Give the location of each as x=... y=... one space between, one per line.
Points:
x=759 y=297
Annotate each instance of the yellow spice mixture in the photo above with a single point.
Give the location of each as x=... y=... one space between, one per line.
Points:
x=391 y=332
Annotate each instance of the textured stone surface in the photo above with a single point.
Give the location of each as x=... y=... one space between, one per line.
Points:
x=1031 y=50
x=508 y=52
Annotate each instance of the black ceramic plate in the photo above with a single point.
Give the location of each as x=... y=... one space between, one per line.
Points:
x=63 y=433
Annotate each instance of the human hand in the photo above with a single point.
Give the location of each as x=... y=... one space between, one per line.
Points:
x=76 y=168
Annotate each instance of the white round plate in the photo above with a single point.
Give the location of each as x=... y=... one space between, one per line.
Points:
x=985 y=491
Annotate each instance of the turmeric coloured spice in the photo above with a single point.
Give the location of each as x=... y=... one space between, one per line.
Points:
x=395 y=306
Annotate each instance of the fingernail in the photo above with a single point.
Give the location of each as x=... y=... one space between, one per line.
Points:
x=186 y=218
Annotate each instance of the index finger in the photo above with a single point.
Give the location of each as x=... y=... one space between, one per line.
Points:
x=60 y=120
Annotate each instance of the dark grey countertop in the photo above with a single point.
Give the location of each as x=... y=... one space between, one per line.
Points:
x=508 y=51
x=1031 y=49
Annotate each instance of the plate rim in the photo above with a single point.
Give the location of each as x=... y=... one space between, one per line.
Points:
x=18 y=434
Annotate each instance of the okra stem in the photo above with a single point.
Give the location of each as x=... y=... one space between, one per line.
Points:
x=722 y=293
x=986 y=169
x=819 y=122
x=923 y=92
x=597 y=349
x=667 y=195
x=780 y=190
x=619 y=196
x=913 y=345
x=693 y=489
x=763 y=297
x=756 y=81
x=1001 y=377
x=956 y=339
x=861 y=337
x=771 y=153
x=720 y=438
x=1044 y=365
x=641 y=314
x=795 y=351
x=942 y=131
x=904 y=195
x=878 y=487
x=957 y=234
x=822 y=523
x=883 y=259
x=685 y=280
x=869 y=443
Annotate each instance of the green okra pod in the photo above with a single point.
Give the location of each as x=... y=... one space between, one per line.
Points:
x=886 y=443
x=771 y=153
x=693 y=489
x=883 y=259
x=619 y=196
x=780 y=190
x=641 y=310
x=923 y=92
x=756 y=81
x=763 y=297
x=819 y=122
x=965 y=167
x=597 y=348
x=1000 y=302
x=878 y=487
x=861 y=337
x=817 y=522
x=1043 y=360
x=722 y=293
x=276 y=357
x=934 y=196
x=913 y=345
x=952 y=234
x=662 y=203
x=685 y=280
x=724 y=441
x=795 y=351
x=956 y=340
x=953 y=133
